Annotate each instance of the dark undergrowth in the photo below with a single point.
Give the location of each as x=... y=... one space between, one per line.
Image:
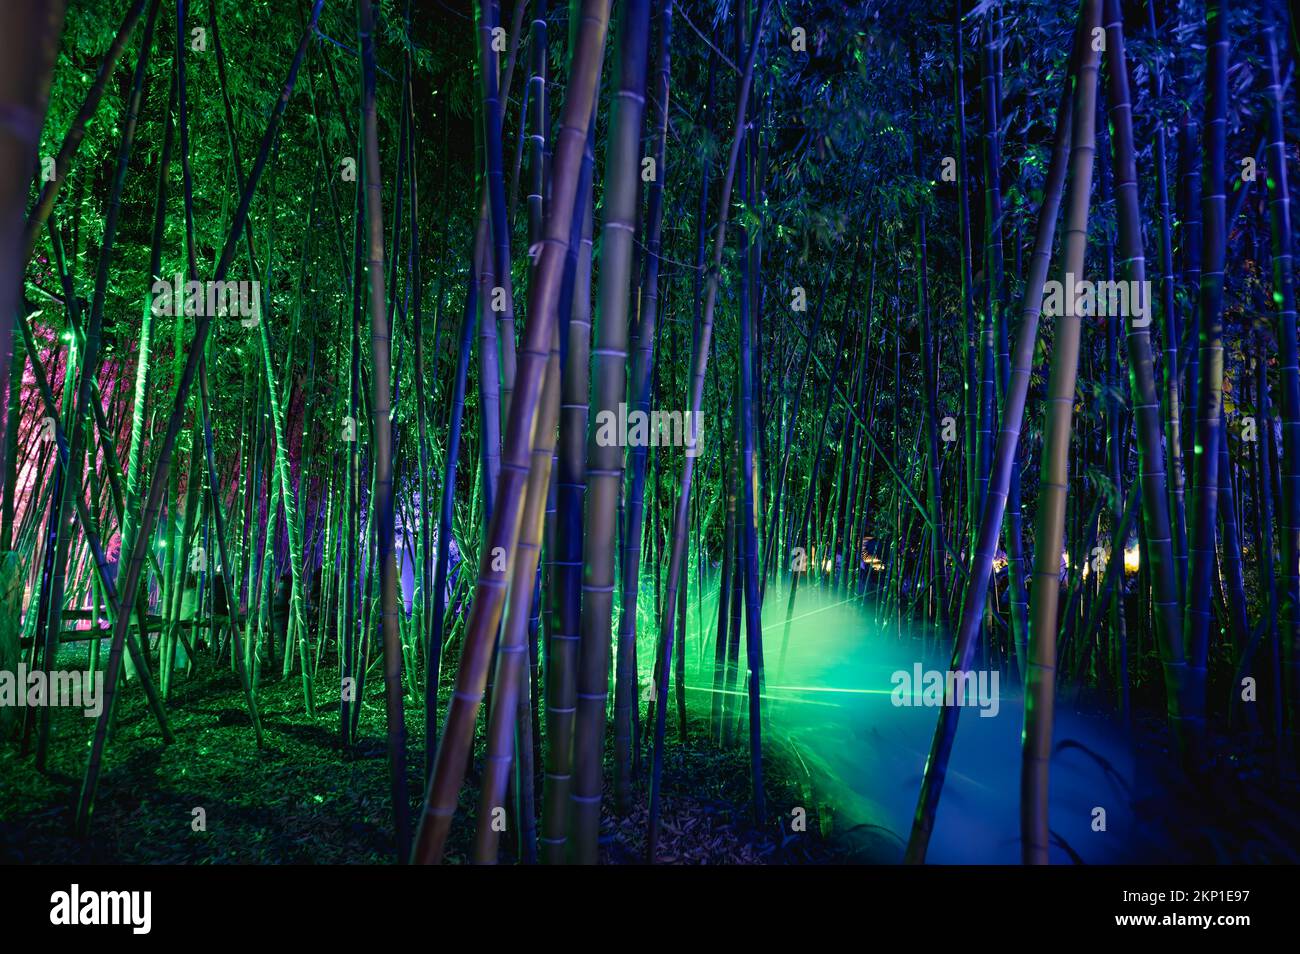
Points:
x=300 y=799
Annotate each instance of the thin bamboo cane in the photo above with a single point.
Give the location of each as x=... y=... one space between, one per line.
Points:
x=157 y=484
x=1004 y=459
x=681 y=509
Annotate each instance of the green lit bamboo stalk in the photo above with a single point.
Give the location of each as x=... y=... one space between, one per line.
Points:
x=157 y=484
x=77 y=131
x=278 y=417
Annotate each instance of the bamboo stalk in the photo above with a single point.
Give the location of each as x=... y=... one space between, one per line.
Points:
x=494 y=561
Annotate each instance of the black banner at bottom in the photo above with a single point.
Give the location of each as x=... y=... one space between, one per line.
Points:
x=816 y=905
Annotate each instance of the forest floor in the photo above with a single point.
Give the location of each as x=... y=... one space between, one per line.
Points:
x=300 y=799
x=848 y=769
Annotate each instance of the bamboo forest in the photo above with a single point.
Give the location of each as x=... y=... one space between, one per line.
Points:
x=633 y=431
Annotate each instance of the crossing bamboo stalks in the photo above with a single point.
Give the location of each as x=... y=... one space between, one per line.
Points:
x=1159 y=551
x=1045 y=592
x=1004 y=459
x=681 y=507
x=494 y=562
x=31 y=29
x=158 y=482
x=605 y=450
